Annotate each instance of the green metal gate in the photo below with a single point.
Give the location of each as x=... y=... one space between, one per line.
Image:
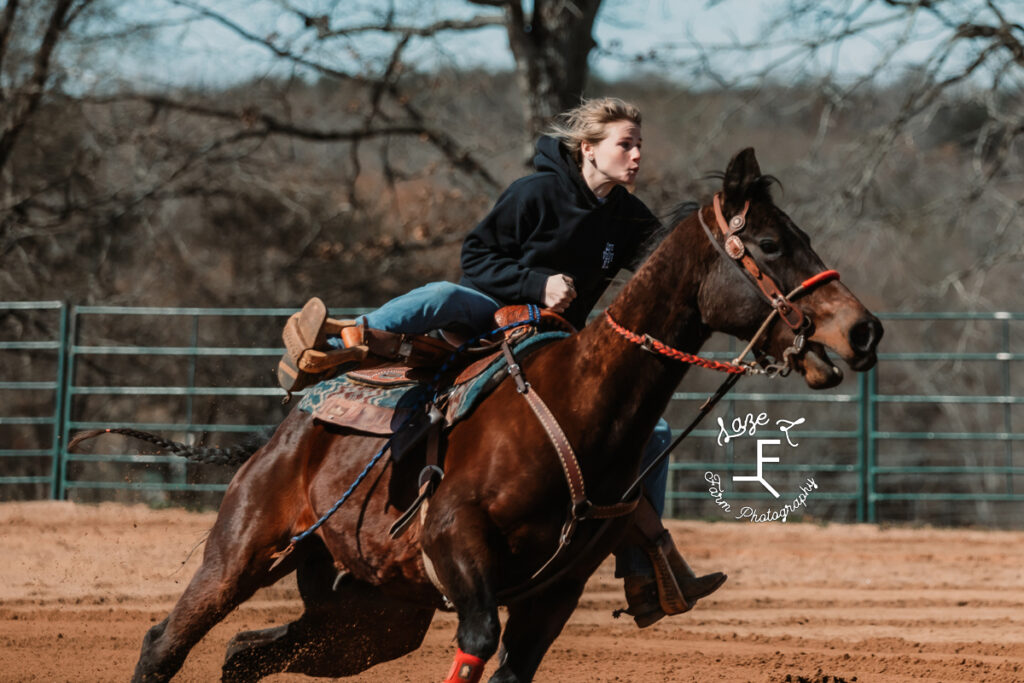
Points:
x=928 y=434
x=32 y=382
x=939 y=423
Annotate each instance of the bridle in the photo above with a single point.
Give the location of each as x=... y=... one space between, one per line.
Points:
x=734 y=251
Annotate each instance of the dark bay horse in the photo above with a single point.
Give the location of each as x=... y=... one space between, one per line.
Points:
x=499 y=510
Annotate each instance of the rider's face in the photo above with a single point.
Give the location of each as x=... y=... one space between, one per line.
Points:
x=616 y=158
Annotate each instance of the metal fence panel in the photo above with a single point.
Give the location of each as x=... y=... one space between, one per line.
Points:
x=931 y=426
x=940 y=437
x=209 y=391
x=909 y=461
x=31 y=384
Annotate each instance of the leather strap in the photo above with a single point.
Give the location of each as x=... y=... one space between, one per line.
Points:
x=315 y=361
x=737 y=252
x=416 y=350
x=581 y=506
x=431 y=474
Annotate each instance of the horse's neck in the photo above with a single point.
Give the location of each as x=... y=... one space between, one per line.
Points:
x=660 y=300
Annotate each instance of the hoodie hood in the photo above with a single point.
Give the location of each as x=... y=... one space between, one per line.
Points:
x=552 y=157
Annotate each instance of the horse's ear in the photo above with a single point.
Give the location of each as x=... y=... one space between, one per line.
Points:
x=741 y=174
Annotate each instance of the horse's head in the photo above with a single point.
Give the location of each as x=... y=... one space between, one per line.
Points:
x=771 y=245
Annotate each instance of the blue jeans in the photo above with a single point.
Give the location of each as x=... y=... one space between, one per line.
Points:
x=436 y=306
x=632 y=560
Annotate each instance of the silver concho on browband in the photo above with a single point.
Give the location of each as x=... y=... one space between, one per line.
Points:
x=734 y=246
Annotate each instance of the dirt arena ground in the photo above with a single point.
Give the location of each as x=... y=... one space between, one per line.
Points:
x=80 y=585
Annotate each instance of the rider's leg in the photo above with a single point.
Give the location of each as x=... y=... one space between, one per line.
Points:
x=435 y=306
x=676 y=588
x=316 y=344
x=630 y=558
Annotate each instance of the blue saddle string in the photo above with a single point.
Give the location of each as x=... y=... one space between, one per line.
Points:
x=533 y=318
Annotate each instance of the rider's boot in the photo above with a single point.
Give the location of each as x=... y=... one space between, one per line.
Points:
x=319 y=347
x=674 y=588
x=309 y=357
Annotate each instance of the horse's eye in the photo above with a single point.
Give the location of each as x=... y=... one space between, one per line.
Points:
x=769 y=247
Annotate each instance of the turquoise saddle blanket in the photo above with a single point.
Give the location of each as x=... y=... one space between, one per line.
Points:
x=377 y=409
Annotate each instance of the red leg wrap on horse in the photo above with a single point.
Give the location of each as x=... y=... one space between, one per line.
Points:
x=465 y=668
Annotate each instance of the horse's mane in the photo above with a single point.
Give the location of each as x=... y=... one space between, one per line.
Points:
x=754 y=189
x=682 y=211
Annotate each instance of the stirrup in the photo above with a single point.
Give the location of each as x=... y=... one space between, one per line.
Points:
x=290 y=378
x=693 y=587
x=679 y=588
x=304 y=330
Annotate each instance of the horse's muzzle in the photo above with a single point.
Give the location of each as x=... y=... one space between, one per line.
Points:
x=864 y=336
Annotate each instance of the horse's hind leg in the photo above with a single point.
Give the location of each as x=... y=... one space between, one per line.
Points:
x=219 y=585
x=236 y=562
x=341 y=633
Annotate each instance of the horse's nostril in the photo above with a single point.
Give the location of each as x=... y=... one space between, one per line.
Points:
x=864 y=335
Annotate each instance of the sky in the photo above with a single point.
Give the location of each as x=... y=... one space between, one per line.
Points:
x=205 y=52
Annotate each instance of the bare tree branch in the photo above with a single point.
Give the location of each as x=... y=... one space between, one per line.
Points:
x=1003 y=36
x=257 y=122
x=74 y=13
x=270 y=44
x=455 y=153
x=27 y=99
x=324 y=31
x=446 y=144
x=6 y=22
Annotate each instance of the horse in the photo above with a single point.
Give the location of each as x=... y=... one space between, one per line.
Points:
x=500 y=508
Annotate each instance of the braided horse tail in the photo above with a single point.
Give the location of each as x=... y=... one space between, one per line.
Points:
x=234 y=456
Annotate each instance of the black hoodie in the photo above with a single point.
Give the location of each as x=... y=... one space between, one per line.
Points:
x=549 y=223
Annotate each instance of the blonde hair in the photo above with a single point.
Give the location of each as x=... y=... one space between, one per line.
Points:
x=588 y=122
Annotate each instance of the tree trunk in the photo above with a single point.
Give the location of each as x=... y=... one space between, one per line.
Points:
x=551 y=47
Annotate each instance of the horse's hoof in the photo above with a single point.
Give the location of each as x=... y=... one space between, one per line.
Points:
x=248 y=658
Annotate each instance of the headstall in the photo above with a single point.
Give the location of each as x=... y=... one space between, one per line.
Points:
x=735 y=252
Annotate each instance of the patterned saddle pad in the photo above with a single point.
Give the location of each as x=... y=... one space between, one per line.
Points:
x=381 y=408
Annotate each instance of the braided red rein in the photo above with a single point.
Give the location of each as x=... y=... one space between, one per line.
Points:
x=652 y=344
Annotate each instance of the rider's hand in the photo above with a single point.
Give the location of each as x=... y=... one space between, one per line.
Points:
x=559 y=292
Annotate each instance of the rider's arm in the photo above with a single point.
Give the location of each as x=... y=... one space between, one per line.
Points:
x=492 y=254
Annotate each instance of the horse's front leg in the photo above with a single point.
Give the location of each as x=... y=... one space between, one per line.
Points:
x=533 y=624
x=455 y=538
